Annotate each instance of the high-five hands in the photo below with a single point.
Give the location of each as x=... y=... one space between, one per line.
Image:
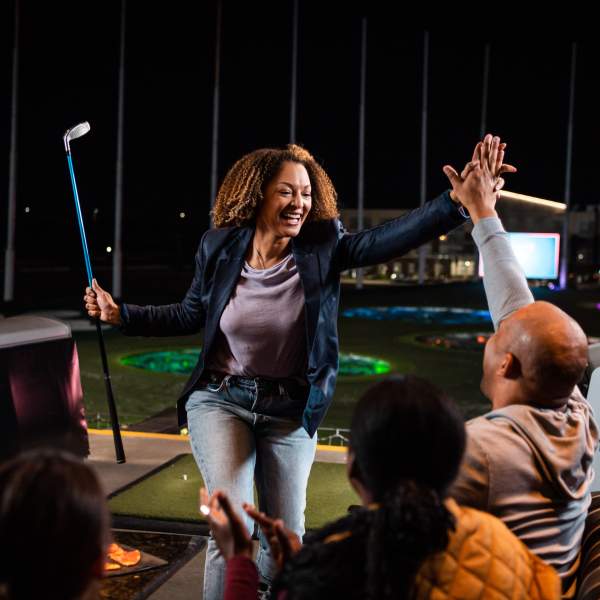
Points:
x=477 y=187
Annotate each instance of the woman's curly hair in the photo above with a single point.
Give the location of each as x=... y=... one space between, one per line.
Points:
x=242 y=189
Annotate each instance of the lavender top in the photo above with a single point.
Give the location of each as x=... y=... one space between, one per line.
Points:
x=262 y=330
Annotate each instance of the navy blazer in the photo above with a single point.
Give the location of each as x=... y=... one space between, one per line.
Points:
x=322 y=250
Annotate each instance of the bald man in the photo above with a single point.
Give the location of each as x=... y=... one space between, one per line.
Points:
x=529 y=460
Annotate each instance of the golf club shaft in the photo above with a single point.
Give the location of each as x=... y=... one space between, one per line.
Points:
x=86 y=254
x=112 y=408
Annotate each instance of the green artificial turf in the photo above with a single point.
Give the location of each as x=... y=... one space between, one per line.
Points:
x=172 y=494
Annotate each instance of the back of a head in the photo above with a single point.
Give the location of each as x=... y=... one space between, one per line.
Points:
x=54 y=526
x=551 y=348
x=404 y=428
x=407 y=440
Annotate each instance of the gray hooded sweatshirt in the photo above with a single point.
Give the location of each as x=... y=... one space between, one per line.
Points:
x=531 y=467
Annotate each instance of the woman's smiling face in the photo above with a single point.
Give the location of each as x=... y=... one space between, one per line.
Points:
x=286 y=201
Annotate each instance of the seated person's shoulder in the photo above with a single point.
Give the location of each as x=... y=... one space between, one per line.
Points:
x=481 y=533
x=482 y=427
x=473 y=522
x=492 y=433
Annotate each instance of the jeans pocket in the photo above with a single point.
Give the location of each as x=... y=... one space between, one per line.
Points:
x=218 y=387
x=204 y=392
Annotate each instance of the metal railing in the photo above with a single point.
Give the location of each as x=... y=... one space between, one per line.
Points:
x=339 y=437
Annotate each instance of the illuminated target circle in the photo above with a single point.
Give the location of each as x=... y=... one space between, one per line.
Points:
x=438 y=315
x=184 y=361
x=167 y=361
x=475 y=340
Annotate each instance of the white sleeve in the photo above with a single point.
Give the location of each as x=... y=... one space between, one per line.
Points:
x=505 y=285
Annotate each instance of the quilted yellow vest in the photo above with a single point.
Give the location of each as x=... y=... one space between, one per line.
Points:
x=484 y=560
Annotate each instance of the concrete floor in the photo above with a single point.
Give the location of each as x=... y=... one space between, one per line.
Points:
x=145 y=452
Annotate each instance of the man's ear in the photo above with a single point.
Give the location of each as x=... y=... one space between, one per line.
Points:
x=510 y=367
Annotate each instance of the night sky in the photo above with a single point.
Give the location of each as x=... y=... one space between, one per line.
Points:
x=69 y=60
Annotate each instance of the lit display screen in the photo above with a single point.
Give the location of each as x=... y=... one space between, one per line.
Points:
x=537 y=254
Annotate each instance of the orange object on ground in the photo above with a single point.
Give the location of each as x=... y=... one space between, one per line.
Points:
x=126 y=558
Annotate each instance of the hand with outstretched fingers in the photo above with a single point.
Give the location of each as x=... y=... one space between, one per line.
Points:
x=226 y=525
x=478 y=186
x=283 y=542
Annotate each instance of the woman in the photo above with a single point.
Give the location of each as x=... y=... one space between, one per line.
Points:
x=54 y=528
x=266 y=291
x=407 y=540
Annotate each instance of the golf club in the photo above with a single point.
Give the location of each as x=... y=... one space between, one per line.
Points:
x=72 y=134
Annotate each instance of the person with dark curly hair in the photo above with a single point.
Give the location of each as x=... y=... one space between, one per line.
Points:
x=407 y=540
x=266 y=291
x=54 y=528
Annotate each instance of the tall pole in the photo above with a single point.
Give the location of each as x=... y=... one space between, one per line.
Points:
x=215 y=129
x=484 y=106
x=484 y=92
x=294 y=74
x=596 y=253
x=118 y=249
x=9 y=255
x=360 y=221
x=564 y=259
x=423 y=186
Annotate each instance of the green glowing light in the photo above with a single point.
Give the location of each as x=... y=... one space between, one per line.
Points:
x=179 y=361
x=357 y=364
x=183 y=361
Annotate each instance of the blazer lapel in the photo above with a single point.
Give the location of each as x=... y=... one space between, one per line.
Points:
x=227 y=273
x=308 y=269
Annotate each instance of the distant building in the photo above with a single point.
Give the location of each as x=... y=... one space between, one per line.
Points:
x=453 y=257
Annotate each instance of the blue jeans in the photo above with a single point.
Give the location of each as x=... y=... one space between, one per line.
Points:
x=237 y=441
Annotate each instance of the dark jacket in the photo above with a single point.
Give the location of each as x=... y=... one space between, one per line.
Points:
x=322 y=250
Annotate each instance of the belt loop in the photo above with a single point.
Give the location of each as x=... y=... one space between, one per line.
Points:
x=226 y=381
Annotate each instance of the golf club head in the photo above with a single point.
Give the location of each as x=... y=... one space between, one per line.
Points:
x=74 y=133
